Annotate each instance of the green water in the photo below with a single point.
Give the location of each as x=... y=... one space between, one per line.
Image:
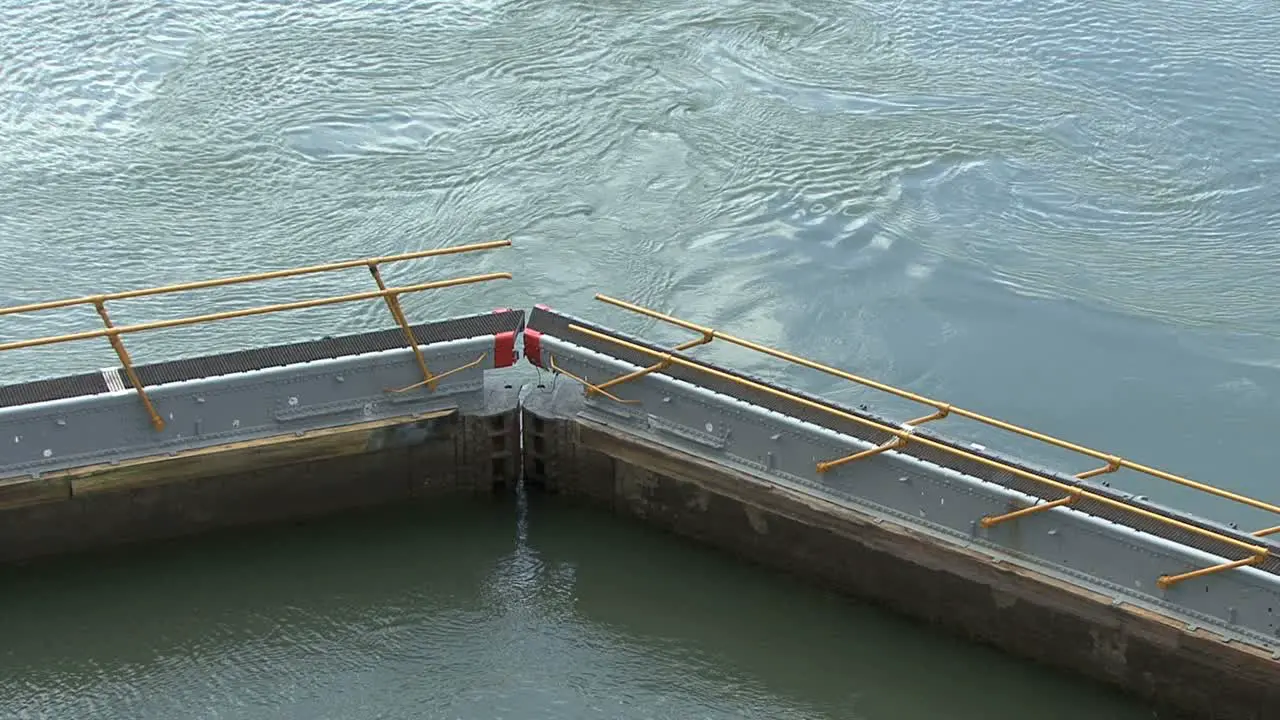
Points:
x=1058 y=213
x=474 y=610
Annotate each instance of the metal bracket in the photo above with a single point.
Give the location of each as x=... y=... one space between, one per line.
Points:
x=665 y=362
x=586 y=384
x=433 y=380
x=1114 y=463
x=897 y=442
x=1166 y=581
x=992 y=520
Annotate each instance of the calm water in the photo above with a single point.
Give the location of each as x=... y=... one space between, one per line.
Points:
x=475 y=612
x=1064 y=214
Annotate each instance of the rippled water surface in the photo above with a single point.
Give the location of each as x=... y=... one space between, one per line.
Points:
x=1061 y=213
x=477 y=613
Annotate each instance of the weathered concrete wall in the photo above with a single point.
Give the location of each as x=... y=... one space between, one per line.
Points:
x=273 y=479
x=1185 y=672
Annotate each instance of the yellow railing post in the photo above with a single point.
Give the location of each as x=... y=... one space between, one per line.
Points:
x=397 y=313
x=590 y=389
x=1167 y=581
x=893 y=444
x=993 y=520
x=1113 y=464
x=942 y=412
x=661 y=365
x=117 y=344
x=587 y=387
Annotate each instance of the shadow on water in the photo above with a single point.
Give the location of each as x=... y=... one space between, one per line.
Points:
x=459 y=608
x=842 y=657
x=227 y=591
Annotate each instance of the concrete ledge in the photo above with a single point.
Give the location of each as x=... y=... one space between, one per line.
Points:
x=18 y=492
x=264 y=480
x=1025 y=613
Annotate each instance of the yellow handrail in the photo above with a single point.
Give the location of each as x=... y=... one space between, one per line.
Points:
x=389 y=295
x=1114 y=462
x=255 y=277
x=115 y=331
x=1257 y=553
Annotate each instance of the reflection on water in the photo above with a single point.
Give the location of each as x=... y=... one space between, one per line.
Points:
x=477 y=611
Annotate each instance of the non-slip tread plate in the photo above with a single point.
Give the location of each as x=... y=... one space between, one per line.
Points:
x=261 y=358
x=557 y=324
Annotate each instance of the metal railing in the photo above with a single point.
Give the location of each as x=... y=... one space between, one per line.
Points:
x=904 y=435
x=389 y=295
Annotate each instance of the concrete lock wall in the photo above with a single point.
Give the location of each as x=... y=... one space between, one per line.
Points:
x=279 y=478
x=259 y=435
x=284 y=432
x=1186 y=671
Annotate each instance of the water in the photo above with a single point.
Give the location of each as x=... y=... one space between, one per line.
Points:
x=479 y=612
x=1061 y=214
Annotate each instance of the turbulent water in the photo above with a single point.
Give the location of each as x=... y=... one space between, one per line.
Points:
x=1062 y=213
